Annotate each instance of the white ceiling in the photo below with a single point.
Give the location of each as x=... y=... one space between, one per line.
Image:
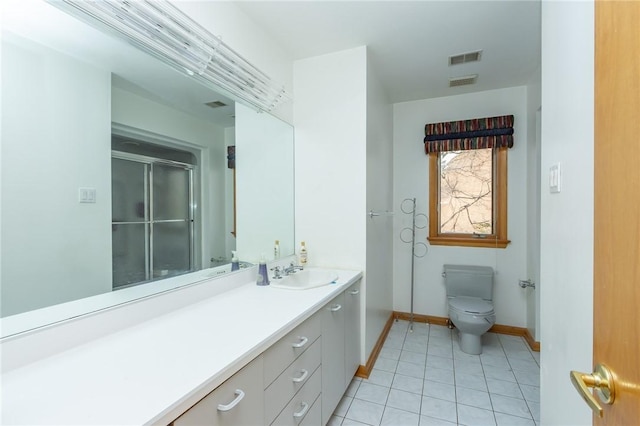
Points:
x=409 y=42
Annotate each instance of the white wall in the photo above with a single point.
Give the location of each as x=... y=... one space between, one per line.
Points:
x=567 y=218
x=534 y=100
x=411 y=179
x=55 y=139
x=185 y=132
x=330 y=156
x=236 y=29
x=264 y=185
x=330 y=140
x=379 y=163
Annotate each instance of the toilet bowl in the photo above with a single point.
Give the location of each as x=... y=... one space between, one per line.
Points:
x=470 y=303
x=472 y=317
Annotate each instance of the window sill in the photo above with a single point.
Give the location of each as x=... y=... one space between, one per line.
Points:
x=468 y=242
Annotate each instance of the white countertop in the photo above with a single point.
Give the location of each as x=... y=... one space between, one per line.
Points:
x=154 y=371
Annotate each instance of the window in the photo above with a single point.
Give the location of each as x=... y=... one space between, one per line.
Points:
x=468 y=198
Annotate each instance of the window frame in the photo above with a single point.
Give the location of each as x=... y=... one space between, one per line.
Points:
x=499 y=237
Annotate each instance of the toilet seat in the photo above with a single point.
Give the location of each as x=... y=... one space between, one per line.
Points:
x=471 y=305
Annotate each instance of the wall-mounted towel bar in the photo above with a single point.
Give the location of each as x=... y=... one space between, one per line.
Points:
x=526 y=283
x=373 y=213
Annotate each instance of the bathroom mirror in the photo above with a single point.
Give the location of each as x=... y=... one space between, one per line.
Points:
x=73 y=100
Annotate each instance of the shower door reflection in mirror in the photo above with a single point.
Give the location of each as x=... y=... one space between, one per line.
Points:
x=152 y=218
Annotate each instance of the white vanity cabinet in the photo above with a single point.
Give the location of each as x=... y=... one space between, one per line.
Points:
x=266 y=368
x=292 y=375
x=352 y=331
x=340 y=347
x=298 y=380
x=333 y=361
x=237 y=402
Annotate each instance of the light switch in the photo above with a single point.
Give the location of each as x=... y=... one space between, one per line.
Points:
x=87 y=195
x=555 y=178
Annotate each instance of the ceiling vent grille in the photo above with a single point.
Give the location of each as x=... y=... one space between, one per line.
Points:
x=215 y=104
x=464 y=58
x=463 y=81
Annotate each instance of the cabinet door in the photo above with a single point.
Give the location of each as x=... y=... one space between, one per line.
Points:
x=333 y=366
x=237 y=402
x=352 y=331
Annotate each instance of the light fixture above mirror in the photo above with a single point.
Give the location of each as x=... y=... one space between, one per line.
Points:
x=162 y=30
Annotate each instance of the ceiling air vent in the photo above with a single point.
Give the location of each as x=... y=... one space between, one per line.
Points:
x=464 y=58
x=462 y=81
x=215 y=104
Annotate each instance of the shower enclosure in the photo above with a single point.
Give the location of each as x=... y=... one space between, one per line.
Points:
x=152 y=218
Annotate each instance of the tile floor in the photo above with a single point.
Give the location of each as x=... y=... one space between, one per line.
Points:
x=423 y=378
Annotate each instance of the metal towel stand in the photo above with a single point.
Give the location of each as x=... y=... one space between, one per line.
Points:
x=408 y=206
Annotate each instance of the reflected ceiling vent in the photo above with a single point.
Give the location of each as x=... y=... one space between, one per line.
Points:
x=465 y=57
x=215 y=104
x=463 y=81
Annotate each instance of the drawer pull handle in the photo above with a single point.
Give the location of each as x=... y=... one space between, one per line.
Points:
x=303 y=341
x=303 y=376
x=335 y=308
x=239 y=395
x=354 y=292
x=301 y=413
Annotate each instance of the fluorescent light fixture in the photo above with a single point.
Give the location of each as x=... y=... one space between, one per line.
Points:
x=161 y=29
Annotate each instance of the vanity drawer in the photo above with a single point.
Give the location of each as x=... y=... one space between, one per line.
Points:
x=286 y=350
x=314 y=416
x=280 y=392
x=220 y=407
x=301 y=405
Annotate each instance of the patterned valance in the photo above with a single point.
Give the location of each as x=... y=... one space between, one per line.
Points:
x=478 y=133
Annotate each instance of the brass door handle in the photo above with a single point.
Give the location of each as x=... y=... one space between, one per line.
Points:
x=601 y=380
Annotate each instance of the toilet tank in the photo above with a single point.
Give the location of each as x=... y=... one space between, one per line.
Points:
x=469 y=280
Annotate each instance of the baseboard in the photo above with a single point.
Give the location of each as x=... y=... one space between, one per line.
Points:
x=497 y=328
x=535 y=346
x=421 y=318
x=365 y=370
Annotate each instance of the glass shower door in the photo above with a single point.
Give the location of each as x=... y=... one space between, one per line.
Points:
x=152 y=219
x=172 y=220
x=130 y=222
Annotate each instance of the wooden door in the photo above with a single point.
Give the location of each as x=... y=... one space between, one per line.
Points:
x=616 y=338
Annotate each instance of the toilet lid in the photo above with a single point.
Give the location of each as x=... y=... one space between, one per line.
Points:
x=472 y=305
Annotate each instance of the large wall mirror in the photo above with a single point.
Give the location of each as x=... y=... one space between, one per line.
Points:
x=115 y=172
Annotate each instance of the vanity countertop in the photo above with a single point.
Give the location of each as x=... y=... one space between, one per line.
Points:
x=153 y=371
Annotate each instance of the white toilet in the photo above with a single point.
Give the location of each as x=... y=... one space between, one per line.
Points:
x=470 y=299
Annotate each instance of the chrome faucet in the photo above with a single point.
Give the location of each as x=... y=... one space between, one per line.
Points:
x=292 y=269
x=277 y=272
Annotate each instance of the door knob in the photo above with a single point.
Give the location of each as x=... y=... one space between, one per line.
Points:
x=601 y=380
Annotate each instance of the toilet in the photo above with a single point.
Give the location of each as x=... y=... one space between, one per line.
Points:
x=470 y=303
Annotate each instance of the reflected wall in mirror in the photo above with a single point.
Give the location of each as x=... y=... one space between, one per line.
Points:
x=70 y=95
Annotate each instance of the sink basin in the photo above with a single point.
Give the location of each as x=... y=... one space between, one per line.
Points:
x=306 y=279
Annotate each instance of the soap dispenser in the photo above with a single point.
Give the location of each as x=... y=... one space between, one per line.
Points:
x=263 y=275
x=235 y=265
